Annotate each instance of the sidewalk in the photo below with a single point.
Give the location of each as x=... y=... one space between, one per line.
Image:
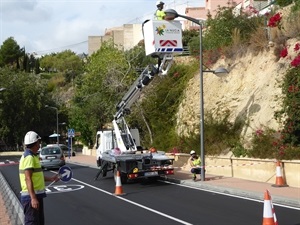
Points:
x=244 y=188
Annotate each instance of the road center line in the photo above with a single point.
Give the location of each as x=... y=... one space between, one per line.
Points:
x=134 y=203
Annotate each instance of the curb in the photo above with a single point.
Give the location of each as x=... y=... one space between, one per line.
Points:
x=12 y=203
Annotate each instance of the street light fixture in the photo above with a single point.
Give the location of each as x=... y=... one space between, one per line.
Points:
x=170 y=15
x=2 y=89
x=51 y=107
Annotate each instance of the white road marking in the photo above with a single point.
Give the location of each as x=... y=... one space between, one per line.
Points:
x=57 y=189
x=231 y=195
x=134 y=203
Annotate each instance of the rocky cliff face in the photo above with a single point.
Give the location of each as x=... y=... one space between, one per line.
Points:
x=250 y=92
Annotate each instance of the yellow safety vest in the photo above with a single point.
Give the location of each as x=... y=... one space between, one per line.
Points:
x=197 y=162
x=29 y=161
x=159 y=15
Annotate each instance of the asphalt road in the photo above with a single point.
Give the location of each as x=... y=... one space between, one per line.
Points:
x=85 y=201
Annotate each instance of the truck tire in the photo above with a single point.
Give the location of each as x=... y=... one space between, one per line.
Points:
x=124 y=178
x=98 y=162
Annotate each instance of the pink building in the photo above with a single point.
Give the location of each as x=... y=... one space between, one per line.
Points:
x=211 y=7
x=201 y=12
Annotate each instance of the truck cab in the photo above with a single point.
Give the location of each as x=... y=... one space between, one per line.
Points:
x=106 y=141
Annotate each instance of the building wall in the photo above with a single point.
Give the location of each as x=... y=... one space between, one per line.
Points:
x=211 y=6
x=125 y=37
x=94 y=42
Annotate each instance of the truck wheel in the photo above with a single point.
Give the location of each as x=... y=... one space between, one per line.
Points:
x=98 y=162
x=124 y=178
x=153 y=179
x=104 y=169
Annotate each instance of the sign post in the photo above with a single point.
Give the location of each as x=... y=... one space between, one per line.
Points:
x=71 y=134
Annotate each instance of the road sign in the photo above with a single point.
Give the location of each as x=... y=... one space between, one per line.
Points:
x=71 y=133
x=65 y=173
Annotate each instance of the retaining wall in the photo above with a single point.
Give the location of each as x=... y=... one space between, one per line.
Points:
x=261 y=170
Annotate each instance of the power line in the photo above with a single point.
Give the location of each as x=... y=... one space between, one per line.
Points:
x=137 y=19
x=62 y=47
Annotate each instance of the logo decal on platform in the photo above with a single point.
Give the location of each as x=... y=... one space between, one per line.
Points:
x=160 y=30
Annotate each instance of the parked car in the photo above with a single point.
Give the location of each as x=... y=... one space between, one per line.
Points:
x=52 y=157
x=66 y=150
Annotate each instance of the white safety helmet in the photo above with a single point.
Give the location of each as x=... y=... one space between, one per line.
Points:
x=31 y=137
x=192 y=152
x=159 y=3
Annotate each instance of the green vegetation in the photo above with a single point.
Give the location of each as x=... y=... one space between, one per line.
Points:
x=22 y=106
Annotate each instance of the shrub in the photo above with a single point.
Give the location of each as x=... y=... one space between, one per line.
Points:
x=220 y=136
x=271 y=144
x=220 y=30
x=238 y=150
x=262 y=144
x=283 y=3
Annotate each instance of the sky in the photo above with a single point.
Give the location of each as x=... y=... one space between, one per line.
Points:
x=47 y=26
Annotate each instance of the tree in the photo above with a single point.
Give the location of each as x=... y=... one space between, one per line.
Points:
x=22 y=104
x=108 y=75
x=66 y=62
x=10 y=53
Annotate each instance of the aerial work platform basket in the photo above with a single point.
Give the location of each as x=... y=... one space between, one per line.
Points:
x=162 y=36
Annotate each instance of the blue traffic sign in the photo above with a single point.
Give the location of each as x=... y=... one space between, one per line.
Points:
x=65 y=173
x=71 y=133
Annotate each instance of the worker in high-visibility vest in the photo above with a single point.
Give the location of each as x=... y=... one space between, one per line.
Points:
x=195 y=163
x=159 y=13
x=33 y=181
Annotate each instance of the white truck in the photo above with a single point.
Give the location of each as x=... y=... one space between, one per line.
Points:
x=119 y=148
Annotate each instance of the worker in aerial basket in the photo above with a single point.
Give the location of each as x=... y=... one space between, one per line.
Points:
x=159 y=13
x=195 y=163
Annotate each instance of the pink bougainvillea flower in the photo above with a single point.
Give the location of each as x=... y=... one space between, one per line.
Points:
x=259 y=132
x=176 y=74
x=275 y=20
x=291 y=89
x=284 y=53
x=296 y=61
x=297 y=47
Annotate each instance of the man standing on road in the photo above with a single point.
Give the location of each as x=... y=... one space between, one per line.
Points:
x=33 y=181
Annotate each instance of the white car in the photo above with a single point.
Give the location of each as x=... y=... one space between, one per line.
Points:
x=51 y=157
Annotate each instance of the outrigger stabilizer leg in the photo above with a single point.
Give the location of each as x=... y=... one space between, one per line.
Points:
x=102 y=169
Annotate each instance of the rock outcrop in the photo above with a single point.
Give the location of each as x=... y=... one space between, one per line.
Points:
x=251 y=92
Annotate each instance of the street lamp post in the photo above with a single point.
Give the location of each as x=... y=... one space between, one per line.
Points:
x=51 y=107
x=170 y=15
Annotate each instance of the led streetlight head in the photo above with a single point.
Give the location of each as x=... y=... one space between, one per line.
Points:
x=171 y=14
x=221 y=72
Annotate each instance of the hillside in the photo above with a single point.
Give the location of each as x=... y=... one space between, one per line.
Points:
x=251 y=92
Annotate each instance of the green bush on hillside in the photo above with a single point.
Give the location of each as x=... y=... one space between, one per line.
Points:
x=283 y=3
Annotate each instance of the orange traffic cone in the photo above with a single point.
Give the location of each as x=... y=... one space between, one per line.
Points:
x=269 y=217
x=279 y=179
x=119 y=189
